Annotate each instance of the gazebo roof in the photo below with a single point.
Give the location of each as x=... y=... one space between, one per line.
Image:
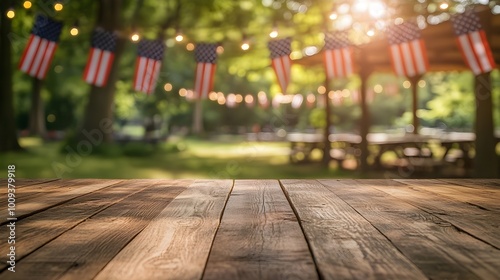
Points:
x=441 y=44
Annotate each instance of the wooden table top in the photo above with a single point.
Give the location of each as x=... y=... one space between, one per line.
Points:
x=253 y=229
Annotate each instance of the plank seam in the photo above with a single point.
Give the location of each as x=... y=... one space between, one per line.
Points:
x=83 y=220
x=457 y=228
x=39 y=183
x=145 y=226
x=217 y=230
x=20 y=217
x=318 y=272
x=376 y=228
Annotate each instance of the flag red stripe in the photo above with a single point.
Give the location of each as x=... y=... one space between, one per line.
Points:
x=344 y=63
x=424 y=54
x=37 y=62
x=198 y=78
x=87 y=66
x=136 y=75
x=413 y=57
x=42 y=58
x=487 y=48
x=394 y=50
x=478 y=61
x=34 y=56
x=98 y=67
x=146 y=75
x=149 y=86
x=108 y=67
x=154 y=78
x=463 y=52
x=25 y=52
x=212 y=74
x=403 y=62
x=328 y=64
x=49 y=62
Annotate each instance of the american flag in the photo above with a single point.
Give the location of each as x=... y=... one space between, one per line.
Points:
x=473 y=42
x=100 y=58
x=337 y=55
x=41 y=47
x=205 y=56
x=148 y=64
x=408 y=54
x=280 y=56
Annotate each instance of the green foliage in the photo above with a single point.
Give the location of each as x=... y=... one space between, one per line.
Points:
x=453 y=101
x=445 y=100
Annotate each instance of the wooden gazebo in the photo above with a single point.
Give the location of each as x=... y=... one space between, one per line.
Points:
x=444 y=55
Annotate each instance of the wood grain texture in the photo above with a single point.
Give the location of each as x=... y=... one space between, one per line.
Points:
x=40 y=228
x=22 y=183
x=259 y=237
x=176 y=244
x=343 y=243
x=476 y=221
x=474 y=195
x=440 y=250
x=491 y=184
x=60 y=192
x=83 y=251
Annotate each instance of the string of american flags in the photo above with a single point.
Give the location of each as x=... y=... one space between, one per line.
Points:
x=407 y=51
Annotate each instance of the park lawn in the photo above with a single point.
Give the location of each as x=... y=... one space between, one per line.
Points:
x=178 y=158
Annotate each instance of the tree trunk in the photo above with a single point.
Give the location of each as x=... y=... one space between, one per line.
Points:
x=414 y=94
x=8 y=130
x=328 y=123
x=98 y=117
x=198 y=117
x=364 y=125
x=37 y=113
x=486 y=160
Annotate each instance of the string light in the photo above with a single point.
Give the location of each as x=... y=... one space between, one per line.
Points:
x=27 y=4
x=135 y=36
x=220 y=50
x=74 y=30
x=179 y=37
x=11 y=13
x=274 y=32
x=58 y=6
x=444 y=6
x=190 y=46
x=370 y=32
x=333 y=15
x=245 y=45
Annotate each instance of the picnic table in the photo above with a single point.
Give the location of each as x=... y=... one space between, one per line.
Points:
x=411 y=149
x=253 y=229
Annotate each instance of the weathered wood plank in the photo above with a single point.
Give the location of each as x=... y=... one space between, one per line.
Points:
x=22 y=183
x=259 y=237
x=40 y=228
x=489 y=184
x=476 y=221
x=36 y=191
x=83 y=251
x=440 y=250
x=481 y=197
x=47 y=199
x=176 y=244
x=343 y=243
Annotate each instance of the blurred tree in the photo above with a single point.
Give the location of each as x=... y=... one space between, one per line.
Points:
x=8 y=131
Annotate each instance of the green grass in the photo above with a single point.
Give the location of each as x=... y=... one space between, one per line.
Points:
x=179 y=158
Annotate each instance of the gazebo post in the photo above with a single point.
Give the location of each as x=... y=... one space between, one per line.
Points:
x=414 y=94
x=326 y=132
x=364 y=125
x=486 y=163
